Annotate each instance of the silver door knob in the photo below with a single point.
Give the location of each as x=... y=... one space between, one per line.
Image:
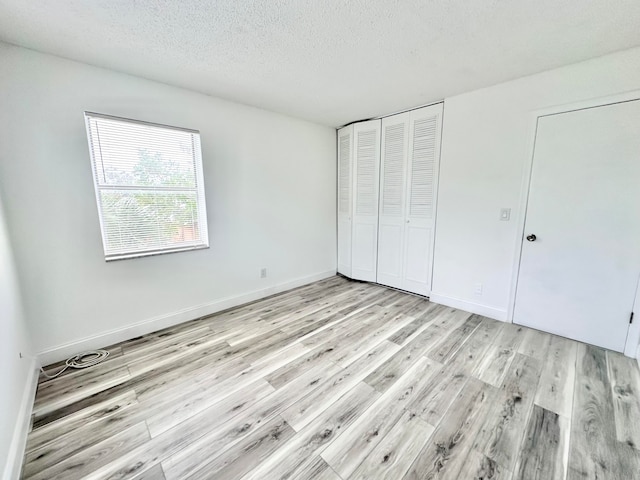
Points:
x=531 y=237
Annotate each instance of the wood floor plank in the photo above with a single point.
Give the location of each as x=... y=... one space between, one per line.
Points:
x=70 y=423
x=71 y=392
x=534 y=344
x=428 y=315
x=326 y=305
x=423 y=307
x=151 y=344
x=625 y=389
x=169 y=355
x=471 y=353
x=594 y=450
x=348 y=450
x=555 y=389
x=392 y=297
x=387 y=373
x=479 y=467
x=83 y=463
x=188 y=377
x=162 y=420
x=214 y=440
x=307 y=408
x=444 y=455
x=449 y=346
x=209 y=422
x=291 y=370
x=83 y=437
x=316 y=469
x=245 y=455
x=148 y=381
x=345 y=331
x=346 y=354
x=432 y=400
x=326 y=474
x=495 y=364
x=395 y=453
x=501 y=434
x=545 y=451
x=335 y=312
x=299 y=453
x=154 y=473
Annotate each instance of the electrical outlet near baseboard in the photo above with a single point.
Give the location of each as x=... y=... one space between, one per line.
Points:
x=477 y=289
x=263 y=273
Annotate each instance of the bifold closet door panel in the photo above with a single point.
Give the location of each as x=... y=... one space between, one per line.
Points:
x=391 y=222
x=425 y=128
x=345 y=208
x=366 y=164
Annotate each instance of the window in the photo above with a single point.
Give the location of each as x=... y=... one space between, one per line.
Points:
x=149 y=186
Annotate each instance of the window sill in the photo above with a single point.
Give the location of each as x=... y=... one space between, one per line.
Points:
x=153 y=253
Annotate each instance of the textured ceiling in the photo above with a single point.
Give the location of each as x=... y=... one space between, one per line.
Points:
x=327 y=61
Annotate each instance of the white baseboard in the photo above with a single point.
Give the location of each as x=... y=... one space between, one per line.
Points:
x=478 y=308
x=13 y=467
x=104 y=339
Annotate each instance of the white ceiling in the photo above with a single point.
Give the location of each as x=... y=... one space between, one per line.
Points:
x=328 y=61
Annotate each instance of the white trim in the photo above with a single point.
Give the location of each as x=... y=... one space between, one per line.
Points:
x=634 y=337
x=144 y=327
x=139 y=122
x=588 y=103
x=478 y=308
x=380 y=117
x=632 y=345
x=18 y=444
x=521 y=214
x=152 y=253
x=436 y=189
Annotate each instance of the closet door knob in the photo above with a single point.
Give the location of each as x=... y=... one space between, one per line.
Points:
x=531 y=238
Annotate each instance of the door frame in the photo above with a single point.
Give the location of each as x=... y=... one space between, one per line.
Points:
x=631 y=348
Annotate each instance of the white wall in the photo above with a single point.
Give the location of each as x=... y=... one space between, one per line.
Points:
x=485 y=147
x=270 y=186
x=16 y=387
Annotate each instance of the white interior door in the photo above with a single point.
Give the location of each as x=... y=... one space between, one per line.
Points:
x=345 y=186
x=366 y=163
x=422 y=173
x=578 y=276
x=395 y=134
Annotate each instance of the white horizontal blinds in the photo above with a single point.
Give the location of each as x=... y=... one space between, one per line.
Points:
x=366 y=185
x=148 y=181
x=394 y=162
x=345 y=174
x=422 y=167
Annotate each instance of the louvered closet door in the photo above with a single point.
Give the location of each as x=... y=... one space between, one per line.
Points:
x=422 y=172
x=395 y=134
x=345 y=186
x=366 y=163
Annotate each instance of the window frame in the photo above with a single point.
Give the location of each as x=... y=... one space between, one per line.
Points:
x=199 y=190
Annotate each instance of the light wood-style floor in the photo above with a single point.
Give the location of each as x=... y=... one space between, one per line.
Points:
x=342 y=380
